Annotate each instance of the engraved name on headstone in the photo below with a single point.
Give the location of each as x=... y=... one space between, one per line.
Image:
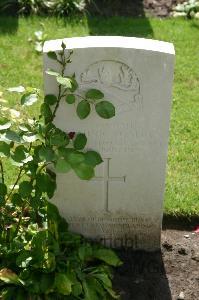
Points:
x=122 y=204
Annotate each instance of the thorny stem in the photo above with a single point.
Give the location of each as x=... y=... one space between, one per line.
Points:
x=20 y=219
x=3 y=180
x=30 y=147
x=57 y=104
x=21 y=215
x=16 y=182
x=18 y=177
x=42 y=167
x=2 y=171
x=63 y=62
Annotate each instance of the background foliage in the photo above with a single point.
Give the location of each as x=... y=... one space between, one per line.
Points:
x=189 y=9
x=40 y=7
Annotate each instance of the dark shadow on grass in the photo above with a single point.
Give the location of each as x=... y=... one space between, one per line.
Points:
x=142 y=276
x=8 y=17
x=122 y=26
x=113 y=17
x=180 y=222
x=117 y=8
x=8 y=24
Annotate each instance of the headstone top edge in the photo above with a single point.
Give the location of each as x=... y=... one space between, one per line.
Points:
x=110 y=42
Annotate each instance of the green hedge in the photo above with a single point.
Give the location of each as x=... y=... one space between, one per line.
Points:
x=43 y=7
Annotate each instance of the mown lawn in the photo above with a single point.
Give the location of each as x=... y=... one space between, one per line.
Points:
x=20 y=65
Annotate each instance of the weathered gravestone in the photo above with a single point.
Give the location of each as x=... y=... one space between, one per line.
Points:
x=123 y=204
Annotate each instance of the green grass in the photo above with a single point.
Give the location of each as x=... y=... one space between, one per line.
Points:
x=19 y=64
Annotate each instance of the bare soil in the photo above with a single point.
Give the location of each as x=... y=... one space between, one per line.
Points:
x=170 y=274
x=159 y=8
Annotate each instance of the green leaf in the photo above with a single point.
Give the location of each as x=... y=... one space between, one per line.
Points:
x=93 y=158
x=83 y=109
x=8 y=276
x=39 y=243
x=62 y=166
x=52 y=73
x=46 y=111
x=46 y=153
x=12 y=136
x=65 y=152
x=105 y=109
x=44 y=183
x=4 y=149
x=90 y=290
x=17 y=89
x=98 y=287
x=30 y=137
x=80 y=141
x=77 y=289
x=94 y=94
x=24 y=127
x=25 y=188
x=75 y=158
x=84 y=171
x=85 y=252
x=112 y=293
x=50 y=99
x=63 y=284
x=19 y=153
x=107 y=256
x=64 y=81
x=53 y=212
x=51 y=189
x=3 y=189
x=70 y=98
x=46 y=283
x=24 y=259
x=74 y=84
x=104 y=278
x=59 y=138
x=47 y=128
x=31 y=168
x=16 y=164
x=49 y=263
x=52 y=55
x=29 y=99
x=4 y=123
x=16 y=200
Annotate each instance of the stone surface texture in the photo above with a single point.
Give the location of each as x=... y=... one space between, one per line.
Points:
x=122 y=205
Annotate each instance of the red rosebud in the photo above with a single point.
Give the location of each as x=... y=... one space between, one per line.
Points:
x=71 y=135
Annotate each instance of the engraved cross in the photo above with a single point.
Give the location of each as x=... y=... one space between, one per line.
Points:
x=106 y=179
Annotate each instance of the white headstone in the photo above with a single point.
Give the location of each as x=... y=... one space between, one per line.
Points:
x=123 y=204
